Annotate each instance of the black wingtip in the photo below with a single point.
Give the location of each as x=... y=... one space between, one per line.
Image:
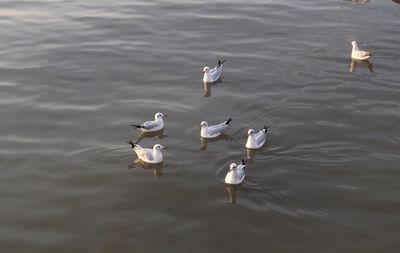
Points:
x=221 y=62
x=243 y=162
x=266 y=127
x=228 y=121
x=137 y=126
x=131 y=143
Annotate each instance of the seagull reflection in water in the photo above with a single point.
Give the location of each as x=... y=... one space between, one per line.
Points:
x=157 y=168
x=354 y=63
x=232 y=189
x=204 y=141
x=207 y=87
x=251 y=153
x=159 y=134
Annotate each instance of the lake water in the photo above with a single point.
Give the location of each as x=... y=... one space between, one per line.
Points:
x=75 y=74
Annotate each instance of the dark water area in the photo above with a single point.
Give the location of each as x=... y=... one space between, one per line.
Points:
x=75 y=74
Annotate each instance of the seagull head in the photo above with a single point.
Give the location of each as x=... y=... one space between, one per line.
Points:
x=232 y=166
x=158 y=147
x=206 y=69
x=250 y=132
x=203 y=124
x=159 y=115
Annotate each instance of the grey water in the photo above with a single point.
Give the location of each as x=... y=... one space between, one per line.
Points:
x=75 y=74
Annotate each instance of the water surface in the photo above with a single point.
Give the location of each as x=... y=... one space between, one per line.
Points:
x=75 y=75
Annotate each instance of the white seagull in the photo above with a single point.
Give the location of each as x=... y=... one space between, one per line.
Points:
x=256 y=140
x=236 y=173
x=358 y=54
x=213 y=131
x=212 y=75
x=154 y=125
x=148 y=155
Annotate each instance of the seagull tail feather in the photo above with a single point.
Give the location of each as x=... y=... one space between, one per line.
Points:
x=266 y=127
x=221 y=62
x=131 y=143
x=228 y=121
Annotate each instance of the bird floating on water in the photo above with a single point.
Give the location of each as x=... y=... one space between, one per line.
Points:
x=358 y=54
x=212 y=75
x=256 y=140
x=148 y=155
x=236 y=173
x=154 y=125
x=213 y=131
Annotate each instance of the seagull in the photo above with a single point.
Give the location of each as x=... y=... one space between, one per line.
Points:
x=256 y=140
x=154 y=125
x=213 y=131
x=236 y=173
x=358 y=54
x=212 y=75
x=148 y=155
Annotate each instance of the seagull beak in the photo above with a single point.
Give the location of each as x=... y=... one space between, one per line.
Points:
x=165 y=147
x=165 y=115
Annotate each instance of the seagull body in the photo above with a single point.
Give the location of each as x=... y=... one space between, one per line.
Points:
x=236 y=173
x=212 y=75
x=358 y=54
x=213 y=131
x=154 y=125
x=256 y=140
x=148 y=155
